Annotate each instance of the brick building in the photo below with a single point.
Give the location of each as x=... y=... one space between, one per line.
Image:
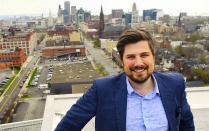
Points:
x=112 y=32
x=93 y=24
x=117 y=13
x=73 y=35
x=10 y=57
x=58 y=32
x=63 y=51
x=27 y=41
x=91 y=32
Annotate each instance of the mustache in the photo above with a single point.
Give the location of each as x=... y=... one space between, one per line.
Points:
x=138 y=67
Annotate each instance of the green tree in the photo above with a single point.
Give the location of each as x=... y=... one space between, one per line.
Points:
x=42 y=37
x=194 y=37
x=201 y=75
x=96 y=42
x=203 y=58
x=17 y=67
x=179 y=50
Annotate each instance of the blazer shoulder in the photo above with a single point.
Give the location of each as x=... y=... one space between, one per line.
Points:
x=169 y=76
x=171 y=80
x=110 y=83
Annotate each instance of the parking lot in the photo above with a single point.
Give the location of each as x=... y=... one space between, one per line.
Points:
x=5 y=76
x=55 y=72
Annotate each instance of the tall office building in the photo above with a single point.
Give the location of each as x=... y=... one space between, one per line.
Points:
x=59 y=15
x=134 y=7
x=50 y=19
x=73 y=14
x=128 y=18
x=67 y=11
x=179 y=21
x=152 y=14
x=87 y=16
x=80 y=15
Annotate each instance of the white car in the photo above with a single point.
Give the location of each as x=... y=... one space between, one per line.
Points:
x=48 y=78
x=34 y=83
x=46 y=91
x=36 y=76
x=49 y=75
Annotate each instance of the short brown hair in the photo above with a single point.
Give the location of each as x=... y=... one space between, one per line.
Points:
x=133 y=36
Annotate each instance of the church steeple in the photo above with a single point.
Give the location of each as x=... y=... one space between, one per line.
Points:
x=101 y=12
x=179 y=20
x=101 y=23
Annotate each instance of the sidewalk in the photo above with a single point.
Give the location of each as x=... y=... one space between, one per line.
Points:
x=27 y=61
x=92 y=62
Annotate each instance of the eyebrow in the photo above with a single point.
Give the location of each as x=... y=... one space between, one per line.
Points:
x=137 y=54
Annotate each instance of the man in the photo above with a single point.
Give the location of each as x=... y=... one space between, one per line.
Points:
x=137 y=100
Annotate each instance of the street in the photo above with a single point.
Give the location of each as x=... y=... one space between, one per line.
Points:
x=99 y=56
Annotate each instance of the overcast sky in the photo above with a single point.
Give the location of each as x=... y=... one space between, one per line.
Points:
x=171 y=7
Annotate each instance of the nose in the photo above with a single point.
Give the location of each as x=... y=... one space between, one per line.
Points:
x=138 y=61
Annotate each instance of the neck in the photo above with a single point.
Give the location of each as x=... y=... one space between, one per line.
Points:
x=143 y=88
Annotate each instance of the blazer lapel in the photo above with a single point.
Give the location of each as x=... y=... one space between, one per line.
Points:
x=121 y=103
x=167 y=98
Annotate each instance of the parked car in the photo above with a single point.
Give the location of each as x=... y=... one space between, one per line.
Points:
x=35 y=79
x=34 y=83
x=24 y=79
x=5 y=80
x=21 y=85
x=49 y=75
x=43 y=86
x=7 y=77
x=46 y=91
x=36 y=76
x=85 y=58
x=48 y=78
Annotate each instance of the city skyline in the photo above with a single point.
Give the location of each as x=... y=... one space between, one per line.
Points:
x=173 y=7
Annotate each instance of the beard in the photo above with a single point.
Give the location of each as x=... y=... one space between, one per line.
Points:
x=137 y=79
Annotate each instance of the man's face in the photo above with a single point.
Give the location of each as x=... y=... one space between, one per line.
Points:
x=138 y=61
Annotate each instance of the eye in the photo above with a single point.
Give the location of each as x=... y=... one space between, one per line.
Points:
x=130 y=57
x=144 y=55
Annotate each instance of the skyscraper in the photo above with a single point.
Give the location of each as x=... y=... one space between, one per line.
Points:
x=73 y=14
x=67 y=10
x=134 y=7
x=59 y=15
x=80 y=15
x=152 y=14
x=127 y=18
x=50 y=19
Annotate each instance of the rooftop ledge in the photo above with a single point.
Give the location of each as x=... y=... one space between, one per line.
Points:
x=197 y=89
x=197 y=97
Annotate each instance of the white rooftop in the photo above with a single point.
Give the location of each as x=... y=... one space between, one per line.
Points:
x=57 y=105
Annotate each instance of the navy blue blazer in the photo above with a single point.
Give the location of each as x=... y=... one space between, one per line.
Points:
x=107 y=101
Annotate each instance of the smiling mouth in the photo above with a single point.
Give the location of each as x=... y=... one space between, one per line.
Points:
x=139 y=70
